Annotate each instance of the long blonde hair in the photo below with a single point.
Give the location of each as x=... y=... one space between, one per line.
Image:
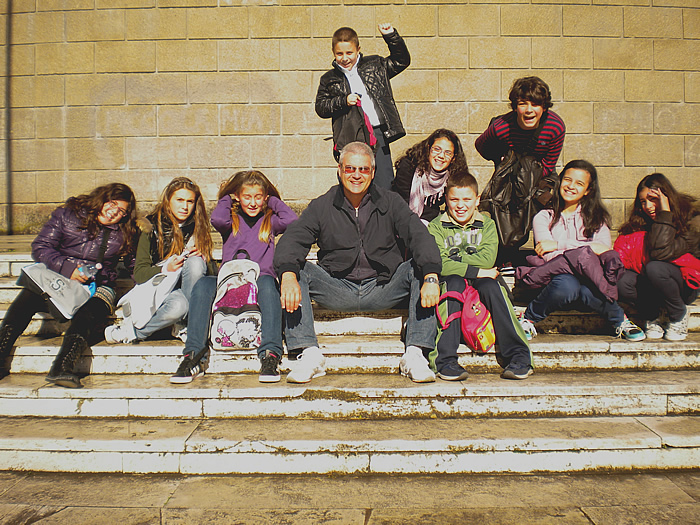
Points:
x=202 y=233
x=250 y=178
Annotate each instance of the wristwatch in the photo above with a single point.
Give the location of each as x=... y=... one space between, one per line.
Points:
x=431 y=280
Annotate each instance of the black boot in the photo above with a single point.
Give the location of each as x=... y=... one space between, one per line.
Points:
x=7 y=341
x=62 y=371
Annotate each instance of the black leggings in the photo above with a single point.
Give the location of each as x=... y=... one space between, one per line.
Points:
x=660 y=285
x=89 y=321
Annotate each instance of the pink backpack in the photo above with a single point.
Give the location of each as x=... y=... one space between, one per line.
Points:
x=477 y=326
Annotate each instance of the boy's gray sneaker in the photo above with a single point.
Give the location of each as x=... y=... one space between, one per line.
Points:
x=678 y=331
x=452 y=372
x=654 y=329
x=517 y=371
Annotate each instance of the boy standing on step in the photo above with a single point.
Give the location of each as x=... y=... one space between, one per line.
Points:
x=468 y=245
x=359 y=80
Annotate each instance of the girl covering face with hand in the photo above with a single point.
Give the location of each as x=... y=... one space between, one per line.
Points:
x=248 y=215
x=175 y=237
x=659 y=247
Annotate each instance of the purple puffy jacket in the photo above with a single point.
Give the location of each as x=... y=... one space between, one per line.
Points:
x=62 y=245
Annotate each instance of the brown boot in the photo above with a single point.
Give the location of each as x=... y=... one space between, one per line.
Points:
x=62 y=371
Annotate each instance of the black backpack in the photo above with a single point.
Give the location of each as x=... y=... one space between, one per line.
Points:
x=516 y=192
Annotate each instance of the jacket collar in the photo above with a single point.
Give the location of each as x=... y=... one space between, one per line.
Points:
x=476 y=222
x=338 y=67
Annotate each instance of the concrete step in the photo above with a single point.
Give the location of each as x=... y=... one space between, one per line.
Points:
x=370 y=354
x=263 y=446
x=358 y=396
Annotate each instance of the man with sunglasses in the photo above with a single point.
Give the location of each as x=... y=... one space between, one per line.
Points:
x=358 y=228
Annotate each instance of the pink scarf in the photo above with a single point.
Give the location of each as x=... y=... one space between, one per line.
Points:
x=426 y=188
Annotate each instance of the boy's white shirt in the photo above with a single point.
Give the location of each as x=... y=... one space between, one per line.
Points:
x=358 y=87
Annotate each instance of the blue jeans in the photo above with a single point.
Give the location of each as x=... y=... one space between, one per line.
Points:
x=347 y=296
x=564 y=290
x=203 y=295
x=176 y=304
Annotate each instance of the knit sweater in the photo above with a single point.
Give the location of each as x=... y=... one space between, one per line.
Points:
x=504 y=133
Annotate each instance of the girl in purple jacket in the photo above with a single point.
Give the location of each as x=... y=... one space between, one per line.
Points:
x=248 y=216
x=70 y=241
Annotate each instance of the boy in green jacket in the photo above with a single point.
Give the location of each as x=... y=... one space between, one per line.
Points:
x=468 y=244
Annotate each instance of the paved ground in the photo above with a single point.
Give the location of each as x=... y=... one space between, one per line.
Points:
x=664 y=497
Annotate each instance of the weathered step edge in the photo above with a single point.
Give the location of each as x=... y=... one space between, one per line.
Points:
x=370 y=354
x=364 y=447
x=358 y=396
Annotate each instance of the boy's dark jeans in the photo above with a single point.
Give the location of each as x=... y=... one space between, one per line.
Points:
x=510 y=338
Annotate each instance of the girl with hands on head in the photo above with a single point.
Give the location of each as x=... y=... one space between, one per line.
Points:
x=248 y=215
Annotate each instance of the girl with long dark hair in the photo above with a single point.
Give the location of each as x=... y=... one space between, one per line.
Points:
x=579 y=218
x=174 y=237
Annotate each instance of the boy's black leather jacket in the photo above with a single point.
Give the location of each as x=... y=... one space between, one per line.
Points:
x=375 y=71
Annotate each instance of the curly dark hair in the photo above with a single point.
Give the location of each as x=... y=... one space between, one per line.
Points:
x=681 y=204
x=89 y=206
x=419 y=154
x=593 y=211
x=533 y=89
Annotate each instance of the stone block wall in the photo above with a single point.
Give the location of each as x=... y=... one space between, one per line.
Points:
x=141 y=91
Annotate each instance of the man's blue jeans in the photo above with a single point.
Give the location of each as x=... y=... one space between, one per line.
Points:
x=348 y=296
x=563 y=290
x=203 y=295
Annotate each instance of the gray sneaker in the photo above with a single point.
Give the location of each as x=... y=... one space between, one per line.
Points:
x=678 y=331
x=654 y=329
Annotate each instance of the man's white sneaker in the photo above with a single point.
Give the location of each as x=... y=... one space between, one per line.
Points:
x=414 y=366
x=678 y=331
x=309 y=364
x=119 y=333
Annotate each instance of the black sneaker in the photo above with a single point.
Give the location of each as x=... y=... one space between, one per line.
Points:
x=517 y=371
x=452 y=372
x=187 y=371
x=269 y=373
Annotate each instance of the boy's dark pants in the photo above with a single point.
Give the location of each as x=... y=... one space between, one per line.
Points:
x=384 y=169
x=510 y=338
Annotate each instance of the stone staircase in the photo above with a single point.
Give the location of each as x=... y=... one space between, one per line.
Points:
x=594 y=403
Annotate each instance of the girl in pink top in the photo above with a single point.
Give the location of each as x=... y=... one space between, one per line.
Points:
x=579 y=218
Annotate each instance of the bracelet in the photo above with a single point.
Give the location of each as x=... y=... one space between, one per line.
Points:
x=431 y=280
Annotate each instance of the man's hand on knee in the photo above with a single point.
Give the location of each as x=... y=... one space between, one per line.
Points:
x=290 y=292
x=430 y=291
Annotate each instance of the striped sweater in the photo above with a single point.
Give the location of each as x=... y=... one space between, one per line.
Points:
x=504 y=133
